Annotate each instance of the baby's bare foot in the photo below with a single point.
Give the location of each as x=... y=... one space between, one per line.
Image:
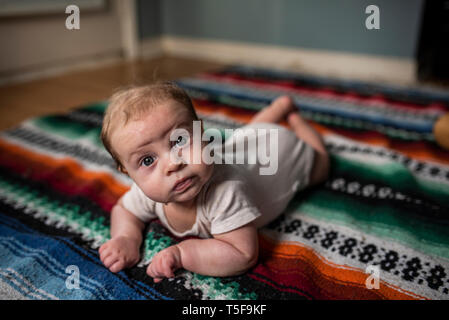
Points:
x=276 y=111
x=120 y=253
x=284 y=103
x=294 y=118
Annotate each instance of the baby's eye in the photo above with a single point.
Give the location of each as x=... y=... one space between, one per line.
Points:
x=147 y=161
x=181 y=141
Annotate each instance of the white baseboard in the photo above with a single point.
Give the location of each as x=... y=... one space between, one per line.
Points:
x=318 y=62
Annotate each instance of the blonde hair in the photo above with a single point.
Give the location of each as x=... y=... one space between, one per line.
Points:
x=133 y=102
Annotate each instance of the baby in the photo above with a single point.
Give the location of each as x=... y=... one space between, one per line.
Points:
x=222 y=205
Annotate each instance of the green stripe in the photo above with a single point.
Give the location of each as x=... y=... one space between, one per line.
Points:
x=217 y=289
x=57 y=126
x=241 y=103
x=381 y=220
x=228 y=100
x=393 y=175
x=99 y=107
x=353 y=124
x=152 y=245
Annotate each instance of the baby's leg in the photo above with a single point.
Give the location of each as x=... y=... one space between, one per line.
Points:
x=306 y=133
x=276 y=111
x=283 y=109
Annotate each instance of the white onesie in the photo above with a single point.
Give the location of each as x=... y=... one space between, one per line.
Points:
x=237 y=194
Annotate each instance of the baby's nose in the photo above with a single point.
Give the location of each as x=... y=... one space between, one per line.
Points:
x=174 y=163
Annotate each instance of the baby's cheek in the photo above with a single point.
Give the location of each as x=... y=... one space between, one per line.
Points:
x=153 y=188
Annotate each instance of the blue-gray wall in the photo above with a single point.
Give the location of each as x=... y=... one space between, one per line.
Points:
x=314 y=24
x=149 y=18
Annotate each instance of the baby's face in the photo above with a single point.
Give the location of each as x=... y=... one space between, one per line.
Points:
x=144 y=148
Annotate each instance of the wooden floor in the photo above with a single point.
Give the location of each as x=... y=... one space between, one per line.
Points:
x=61 y=93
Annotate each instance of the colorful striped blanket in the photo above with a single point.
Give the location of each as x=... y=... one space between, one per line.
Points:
x=377 y=229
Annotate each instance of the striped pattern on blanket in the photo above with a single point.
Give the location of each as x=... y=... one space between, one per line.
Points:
x=385 y=204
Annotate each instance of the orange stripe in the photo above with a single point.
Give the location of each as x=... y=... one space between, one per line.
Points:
x=39 y=161
x=332 y=274
x=245 y=116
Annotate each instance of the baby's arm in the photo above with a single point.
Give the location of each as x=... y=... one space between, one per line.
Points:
x=122 y=251
x=227 y=254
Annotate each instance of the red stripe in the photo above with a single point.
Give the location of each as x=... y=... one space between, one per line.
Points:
x=326 y=93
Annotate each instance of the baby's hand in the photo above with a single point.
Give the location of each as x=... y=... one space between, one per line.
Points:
x=165 y=263
x=119 y=253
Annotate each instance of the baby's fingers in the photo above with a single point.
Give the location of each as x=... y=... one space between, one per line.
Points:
x=110 y=260
x=155 y=271
x=105 y=254
x=152 y=273
x=117 y=266
x=167 y=267
x=103 y=247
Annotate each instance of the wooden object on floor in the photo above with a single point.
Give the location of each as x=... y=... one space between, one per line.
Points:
x=441 y=131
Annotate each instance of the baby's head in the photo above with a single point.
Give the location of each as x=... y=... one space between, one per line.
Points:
x=138 y=131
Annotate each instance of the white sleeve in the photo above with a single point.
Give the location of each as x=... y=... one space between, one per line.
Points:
x=139 y=204
x=229 y=207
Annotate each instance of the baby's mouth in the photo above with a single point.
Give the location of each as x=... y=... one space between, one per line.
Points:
x=183 y=184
